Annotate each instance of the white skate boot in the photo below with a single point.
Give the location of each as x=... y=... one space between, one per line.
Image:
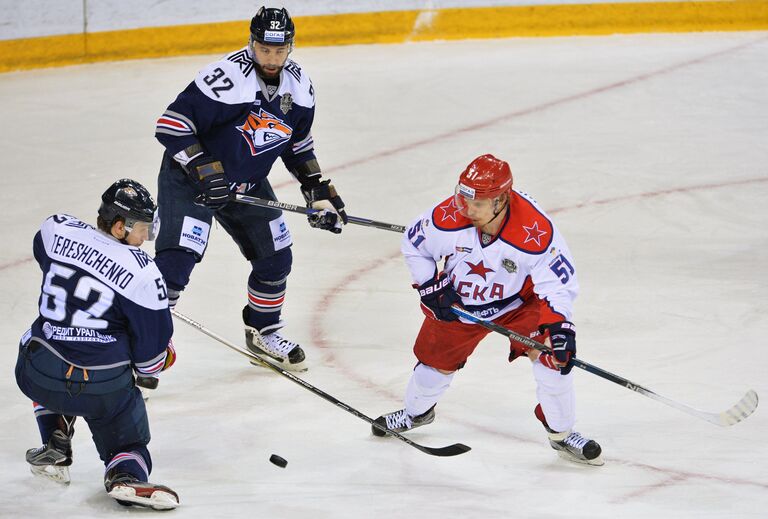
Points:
x=128 y=491
x=400 y=421
x=572 y=446
x=276 y=349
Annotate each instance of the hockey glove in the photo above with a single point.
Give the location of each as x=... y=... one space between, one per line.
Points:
x=209 y=175
x=147 y=382
x=437 y=297
x=562 y=335
x=331 y=213
x=170 y=356
x=152 y=381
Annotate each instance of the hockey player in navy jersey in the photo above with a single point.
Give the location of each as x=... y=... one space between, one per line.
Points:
x=504 y=260
x=222 y=135
x=103 y=318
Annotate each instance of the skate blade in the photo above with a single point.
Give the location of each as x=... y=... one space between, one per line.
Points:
x=157 y=500
x=596 y=462
x=52 y=472
x=299 y=367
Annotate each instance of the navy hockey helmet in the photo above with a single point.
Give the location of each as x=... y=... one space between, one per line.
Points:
x=272 y=26
x=133 y=203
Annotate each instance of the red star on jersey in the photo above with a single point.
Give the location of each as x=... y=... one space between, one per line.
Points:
x=450 y=210
x=479 y=269
x=534 y=233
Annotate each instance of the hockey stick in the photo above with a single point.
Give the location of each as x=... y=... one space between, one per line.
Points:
x=260 y=202
x=735 y=414
x=450 y=450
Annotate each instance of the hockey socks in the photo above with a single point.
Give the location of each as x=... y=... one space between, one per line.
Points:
x=425 y=388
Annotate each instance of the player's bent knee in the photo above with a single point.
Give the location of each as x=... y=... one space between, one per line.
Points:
x=176 y=266
x=429 y=378
x=275 y=267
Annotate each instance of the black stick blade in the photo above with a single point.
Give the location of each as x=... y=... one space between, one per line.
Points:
x=450 y=450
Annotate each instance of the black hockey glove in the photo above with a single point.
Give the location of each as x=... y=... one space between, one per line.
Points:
x=209 y=174
x=562 y=336
x=437 y=297
x=330 y=206
x=147 y=382
x=151 y=382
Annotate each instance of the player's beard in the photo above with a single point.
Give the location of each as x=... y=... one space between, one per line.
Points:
x=268 y=73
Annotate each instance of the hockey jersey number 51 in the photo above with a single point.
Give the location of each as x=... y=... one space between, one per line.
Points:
x=528 y=258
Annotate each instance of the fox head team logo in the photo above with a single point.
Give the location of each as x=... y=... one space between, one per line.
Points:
x=263 y=131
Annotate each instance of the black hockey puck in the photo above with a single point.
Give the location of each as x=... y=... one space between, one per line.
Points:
x=277 y=460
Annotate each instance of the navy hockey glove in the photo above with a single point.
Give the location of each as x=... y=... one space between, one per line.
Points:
x=562 y=336
x=209 y=174
x=437 y=297
x=331 y=213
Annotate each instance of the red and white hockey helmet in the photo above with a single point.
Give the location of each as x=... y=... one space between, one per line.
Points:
x=485 y=177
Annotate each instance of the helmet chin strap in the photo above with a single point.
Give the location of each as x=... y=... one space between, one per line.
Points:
x=496 y=210
x=124 y=239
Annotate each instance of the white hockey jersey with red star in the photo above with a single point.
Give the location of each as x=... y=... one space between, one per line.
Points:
x=528 y=258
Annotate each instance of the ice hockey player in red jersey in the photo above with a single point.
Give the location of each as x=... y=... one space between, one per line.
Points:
x=504 y=260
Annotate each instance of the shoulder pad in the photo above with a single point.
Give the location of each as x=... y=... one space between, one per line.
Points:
x=65 y=219
x=229 y=82
x=242 y=58
x=60 y=217
x=297 y=83
x=142 y=258
x=527 y=228
x=446 y=216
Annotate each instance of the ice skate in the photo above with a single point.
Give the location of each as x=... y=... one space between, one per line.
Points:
x=53 y=459
x=572 y=446
x=400 y=421
x=276 y=349
x=129 y=491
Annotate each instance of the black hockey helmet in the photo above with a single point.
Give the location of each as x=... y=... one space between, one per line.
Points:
x=133 y=203
x=272 y=26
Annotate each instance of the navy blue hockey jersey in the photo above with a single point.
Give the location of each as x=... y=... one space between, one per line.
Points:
x=229 y=110
x=102 y=303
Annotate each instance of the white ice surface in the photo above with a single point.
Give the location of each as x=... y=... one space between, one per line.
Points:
x=649 y=151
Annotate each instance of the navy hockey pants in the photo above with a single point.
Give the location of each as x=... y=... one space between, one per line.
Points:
x=109 y=401
x=261 y=234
